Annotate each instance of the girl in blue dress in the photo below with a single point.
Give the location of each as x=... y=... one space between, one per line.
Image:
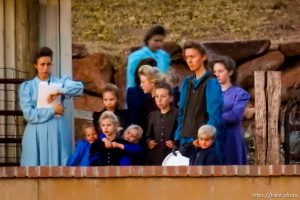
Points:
x=47 y=138
x=81 y=155
x=153 y=40
x=235 y=100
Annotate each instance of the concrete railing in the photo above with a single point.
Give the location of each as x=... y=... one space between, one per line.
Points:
x=150 y=182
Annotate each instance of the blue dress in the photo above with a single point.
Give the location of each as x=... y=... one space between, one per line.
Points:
x=47 y=139
x=81 y=155
x=232 y=140
x=162 y=58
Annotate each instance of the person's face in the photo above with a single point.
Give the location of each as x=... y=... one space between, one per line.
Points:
x=90 y=135
x=194 y=59
x=109 y=101
x=222 y=74
x=108 y=127
x=131 y=135
x=146 y=84
x=205 y=142
x=156 y=42
x=43 y=67
x=162 y=98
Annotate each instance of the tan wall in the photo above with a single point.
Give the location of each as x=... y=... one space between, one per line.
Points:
x=146 y=188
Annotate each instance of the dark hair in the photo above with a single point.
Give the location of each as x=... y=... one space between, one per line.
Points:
x=154 y=30
x=109 y=87
x=147 y=61
x=43 y=52
x=164 y=85
x=195 y=45
x=228 y=63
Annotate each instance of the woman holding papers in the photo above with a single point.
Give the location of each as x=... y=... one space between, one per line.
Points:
x=47 y=137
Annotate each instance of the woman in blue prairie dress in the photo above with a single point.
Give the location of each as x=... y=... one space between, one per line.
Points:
x=235 y=100
x=47 y=139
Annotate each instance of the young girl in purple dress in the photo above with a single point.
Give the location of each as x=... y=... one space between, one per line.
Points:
x=235 y=100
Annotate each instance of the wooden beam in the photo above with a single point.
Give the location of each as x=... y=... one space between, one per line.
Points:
x=260 y=117
x=1 y=38
x=274 y=101
x=33 y=14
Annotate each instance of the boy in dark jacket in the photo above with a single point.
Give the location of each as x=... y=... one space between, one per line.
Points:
x=203 y=151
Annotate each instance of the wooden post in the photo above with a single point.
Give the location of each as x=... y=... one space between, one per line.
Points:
x=260 y=117
x=274 y=100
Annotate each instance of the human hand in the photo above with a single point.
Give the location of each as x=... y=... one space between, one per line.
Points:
x=196 y=143
x=117 y=145
x=107 y=144
x=53 y=96
x=152 y=144
x=170 y=144
x=59 y=109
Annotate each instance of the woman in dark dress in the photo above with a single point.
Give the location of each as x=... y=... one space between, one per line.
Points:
x=110 y=96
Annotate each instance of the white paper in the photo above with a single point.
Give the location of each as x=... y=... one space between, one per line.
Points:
x=178 y=160
x=44 y=91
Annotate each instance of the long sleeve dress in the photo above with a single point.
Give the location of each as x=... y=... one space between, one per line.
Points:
x=232 y=140
x=162 y=58
x=47 y=139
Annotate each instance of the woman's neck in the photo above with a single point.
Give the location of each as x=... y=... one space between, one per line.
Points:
x=226 y=85
x=199 y=73
x=43 y=78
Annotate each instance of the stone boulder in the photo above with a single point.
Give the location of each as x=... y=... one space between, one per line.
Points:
x=79 y=51
x=94 y=71
x=88 y=102
x=270 y=61
x=238 y=50
x=174 y=50
x=290 y=48
x=291 y=82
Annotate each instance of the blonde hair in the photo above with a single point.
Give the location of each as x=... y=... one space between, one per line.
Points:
x=136 y=127
x=109 y=115
x=173 y=79
x=208 y=131
x=88 y=125
x=152 y=73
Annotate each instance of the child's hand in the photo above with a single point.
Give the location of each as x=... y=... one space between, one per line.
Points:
x=117 y=145
x=170 y=144
x=152 y=144
x=196 y=143
x=107 y=143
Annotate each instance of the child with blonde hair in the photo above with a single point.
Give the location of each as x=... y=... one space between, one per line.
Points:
x=109 y=124
x=203 y=151
x=81 y=154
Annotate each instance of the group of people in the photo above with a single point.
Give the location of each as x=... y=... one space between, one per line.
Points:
x=202 y=119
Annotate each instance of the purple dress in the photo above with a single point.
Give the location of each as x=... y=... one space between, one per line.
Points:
x=231 y=135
